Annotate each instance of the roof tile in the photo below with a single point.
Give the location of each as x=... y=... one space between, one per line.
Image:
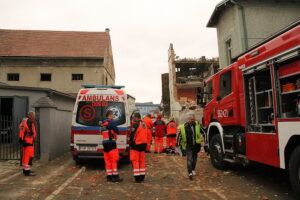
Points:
x=34 y=43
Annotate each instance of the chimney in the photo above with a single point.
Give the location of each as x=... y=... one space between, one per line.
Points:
x=107 y=30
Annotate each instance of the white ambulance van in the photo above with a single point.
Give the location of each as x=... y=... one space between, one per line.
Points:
x=92 y=103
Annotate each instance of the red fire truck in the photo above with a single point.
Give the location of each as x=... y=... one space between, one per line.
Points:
x=252 y=107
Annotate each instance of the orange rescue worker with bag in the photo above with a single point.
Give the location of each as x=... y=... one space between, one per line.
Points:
x=27 y=136
x=171 y=135
x=149 y=123
x=138 y=145
x=111 y=153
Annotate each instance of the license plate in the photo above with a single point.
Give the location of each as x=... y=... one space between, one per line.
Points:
x=87 y=148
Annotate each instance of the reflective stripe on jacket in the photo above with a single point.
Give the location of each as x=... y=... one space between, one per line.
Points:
x=199 y=137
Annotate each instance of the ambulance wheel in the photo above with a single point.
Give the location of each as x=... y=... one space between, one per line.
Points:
x=294 y=170
x=217 y=153
x=77 y=160
x=125 y=160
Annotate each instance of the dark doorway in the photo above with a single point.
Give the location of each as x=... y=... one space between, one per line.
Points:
x=6 y=106
x=12 y=110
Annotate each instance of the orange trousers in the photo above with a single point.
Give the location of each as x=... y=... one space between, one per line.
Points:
x=138 y=162
x=111 y=162
x=171 y=142
x=149 y=139
x=159 y=144
x=27 y=154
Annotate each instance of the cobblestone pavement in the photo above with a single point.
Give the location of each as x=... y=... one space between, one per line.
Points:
x=166 y=179
x=8 y=167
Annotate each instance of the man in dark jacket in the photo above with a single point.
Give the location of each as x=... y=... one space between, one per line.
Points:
x=190 y=140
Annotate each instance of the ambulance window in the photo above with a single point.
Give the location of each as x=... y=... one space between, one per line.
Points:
x=89 y=113
x=208 y=92
x=225 y=84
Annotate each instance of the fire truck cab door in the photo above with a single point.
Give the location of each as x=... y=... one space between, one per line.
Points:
x=226 y=98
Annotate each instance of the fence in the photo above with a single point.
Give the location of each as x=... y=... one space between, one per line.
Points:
x=10 y=148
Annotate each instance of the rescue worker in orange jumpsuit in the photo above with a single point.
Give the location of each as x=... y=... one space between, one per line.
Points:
x=148 y=121
x=138 y=145
x=159 y=133
x=111 y=153
x=171 y=135
x=27 y=136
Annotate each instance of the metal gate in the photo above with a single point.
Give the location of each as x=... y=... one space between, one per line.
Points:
x=10 y=148
x=9 y=139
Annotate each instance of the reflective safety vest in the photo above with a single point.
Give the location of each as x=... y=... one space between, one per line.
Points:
x=25 y=133
x=199 y=137
x=171 y=128
x=108 y=134
x=140 y=136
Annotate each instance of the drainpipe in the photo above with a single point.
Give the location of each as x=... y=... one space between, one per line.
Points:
x=242 y=26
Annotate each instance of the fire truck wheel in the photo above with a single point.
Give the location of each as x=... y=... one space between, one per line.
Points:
x=294 y=170
x=217 y=153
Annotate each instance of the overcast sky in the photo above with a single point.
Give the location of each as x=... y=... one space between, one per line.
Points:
x=141 y=31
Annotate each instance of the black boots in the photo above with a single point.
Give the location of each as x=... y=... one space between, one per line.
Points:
x=28 y=173
x=109 y=178
x=116 y=179
x=139 y=179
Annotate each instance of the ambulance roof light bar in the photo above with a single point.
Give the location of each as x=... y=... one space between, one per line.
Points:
x=103 y=86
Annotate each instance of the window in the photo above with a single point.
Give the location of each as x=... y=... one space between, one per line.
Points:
x=13 y=77
x=89 y=113
x=228 y=51
x=225 y=84
x=45 y=77
x=208 y=92
x=77 y=77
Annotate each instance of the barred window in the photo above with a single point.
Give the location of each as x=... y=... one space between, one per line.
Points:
x=45 y=77
x=13 y=77
x=77 y=77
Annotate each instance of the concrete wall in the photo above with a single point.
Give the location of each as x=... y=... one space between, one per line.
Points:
x=54 y=132
x=175 y=107
x=131 y=104
x=93 y=73
x=227 y=28
x=109 y=63
x=265 y=18
x=33 y=96
x=251 y=23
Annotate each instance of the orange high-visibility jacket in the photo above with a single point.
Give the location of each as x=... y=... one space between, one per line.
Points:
x=27 y=134
x=141 y=134
x=148 y=122
x=171 y=128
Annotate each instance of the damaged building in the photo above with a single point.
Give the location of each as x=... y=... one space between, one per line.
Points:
x=186 y=77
